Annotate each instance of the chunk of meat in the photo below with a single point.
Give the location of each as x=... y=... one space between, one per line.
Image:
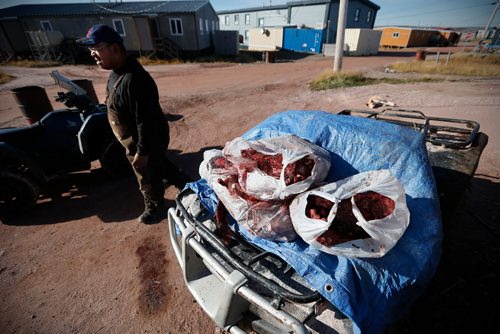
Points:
x=272 y=165
x=372 y=206
x=221 y=162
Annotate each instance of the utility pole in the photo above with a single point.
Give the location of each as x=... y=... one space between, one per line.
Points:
x=491 y=18
x=339 y=44
x=328 y=32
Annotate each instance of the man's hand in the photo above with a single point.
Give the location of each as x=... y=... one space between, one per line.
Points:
x=140 y=161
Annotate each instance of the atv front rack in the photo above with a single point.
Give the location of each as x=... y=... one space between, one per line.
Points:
x=454 y=147
x=447 y=132
x=235 y=282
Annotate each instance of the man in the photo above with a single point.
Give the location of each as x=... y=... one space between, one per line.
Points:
x=135 y=116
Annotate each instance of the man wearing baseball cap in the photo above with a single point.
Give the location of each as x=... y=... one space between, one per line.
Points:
x=135 y=116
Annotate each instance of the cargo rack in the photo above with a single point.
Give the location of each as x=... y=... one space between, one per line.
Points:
x=447 y=132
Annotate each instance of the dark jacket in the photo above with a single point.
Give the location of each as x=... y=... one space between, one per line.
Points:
x=136 y=102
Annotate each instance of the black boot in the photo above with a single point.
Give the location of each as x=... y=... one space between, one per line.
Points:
x=153 y=213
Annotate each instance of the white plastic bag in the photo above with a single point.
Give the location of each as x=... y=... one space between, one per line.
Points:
x=211 y=168
x=266 y=219
x=258 y=184
x=383 y=233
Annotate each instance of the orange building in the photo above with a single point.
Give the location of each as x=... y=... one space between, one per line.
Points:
x=399 y=37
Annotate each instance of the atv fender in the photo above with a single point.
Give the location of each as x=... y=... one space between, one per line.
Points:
x=94 y=135
x=14 y=158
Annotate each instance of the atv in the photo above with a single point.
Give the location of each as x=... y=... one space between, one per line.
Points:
x=62 y=142
x=247 y=284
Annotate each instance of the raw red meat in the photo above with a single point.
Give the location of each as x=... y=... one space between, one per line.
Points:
x=273 y=164
x=318 y=207
x=221 y=162
x=223 y=230
x=269 y=164
x=299 y=170
x=266 y=219
x=372 y=206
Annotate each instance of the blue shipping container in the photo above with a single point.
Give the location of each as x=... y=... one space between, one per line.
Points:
x=303 y=40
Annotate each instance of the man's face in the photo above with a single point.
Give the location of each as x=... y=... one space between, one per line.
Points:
x=104 y=55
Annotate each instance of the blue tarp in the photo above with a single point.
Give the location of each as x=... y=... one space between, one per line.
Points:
x=371 y=292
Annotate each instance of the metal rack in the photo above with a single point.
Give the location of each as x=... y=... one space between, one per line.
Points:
x=447 y=132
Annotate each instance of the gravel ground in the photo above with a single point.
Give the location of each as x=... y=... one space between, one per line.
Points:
x=79 y=262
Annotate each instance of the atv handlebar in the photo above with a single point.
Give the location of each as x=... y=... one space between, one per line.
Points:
x=76 y=97
x=71 y=99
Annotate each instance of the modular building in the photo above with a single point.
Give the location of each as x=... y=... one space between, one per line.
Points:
x=168 y=28
x=362 y=42
x=311 y=14
x=265 y=39
x=403 y=37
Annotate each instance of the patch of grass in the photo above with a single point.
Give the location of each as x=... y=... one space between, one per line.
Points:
x=407 y=81
x=32 y=63
x=460 y=64
x=153 y=61
x=4 y=78
x=329 y=80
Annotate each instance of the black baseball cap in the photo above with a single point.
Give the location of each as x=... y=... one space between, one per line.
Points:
x=100 y=33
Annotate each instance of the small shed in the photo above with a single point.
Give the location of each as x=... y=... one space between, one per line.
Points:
x=362 y=42
x=265 y=39
x=226 y=42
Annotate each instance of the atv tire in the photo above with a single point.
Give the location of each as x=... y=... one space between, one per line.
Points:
x=17 y=191
x=114 y=161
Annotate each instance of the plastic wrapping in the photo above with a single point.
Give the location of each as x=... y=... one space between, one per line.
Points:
x=258 y=184
x=372 y=292
x=384 y=233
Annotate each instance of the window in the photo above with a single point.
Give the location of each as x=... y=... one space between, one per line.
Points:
x=247 y=19
x=213 y=25
x=226 y=20
x=395 y=34
x=201 y=26
x=46 y=26
x=176 y=27
x=356 y=14
x=119 y=27
x=246 y=35
x=206 y=26
x=369 y=16
x=261 y=22
x=237 y=20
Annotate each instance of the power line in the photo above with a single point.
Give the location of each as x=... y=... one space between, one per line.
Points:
x=142 y=11
x=431 y=12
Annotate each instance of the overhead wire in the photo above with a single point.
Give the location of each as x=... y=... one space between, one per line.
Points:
x=142 y=11
x=430 y=12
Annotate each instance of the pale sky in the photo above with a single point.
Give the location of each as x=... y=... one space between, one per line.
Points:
x=442 y=13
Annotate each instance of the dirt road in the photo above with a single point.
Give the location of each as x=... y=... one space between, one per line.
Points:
x=80 y=263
